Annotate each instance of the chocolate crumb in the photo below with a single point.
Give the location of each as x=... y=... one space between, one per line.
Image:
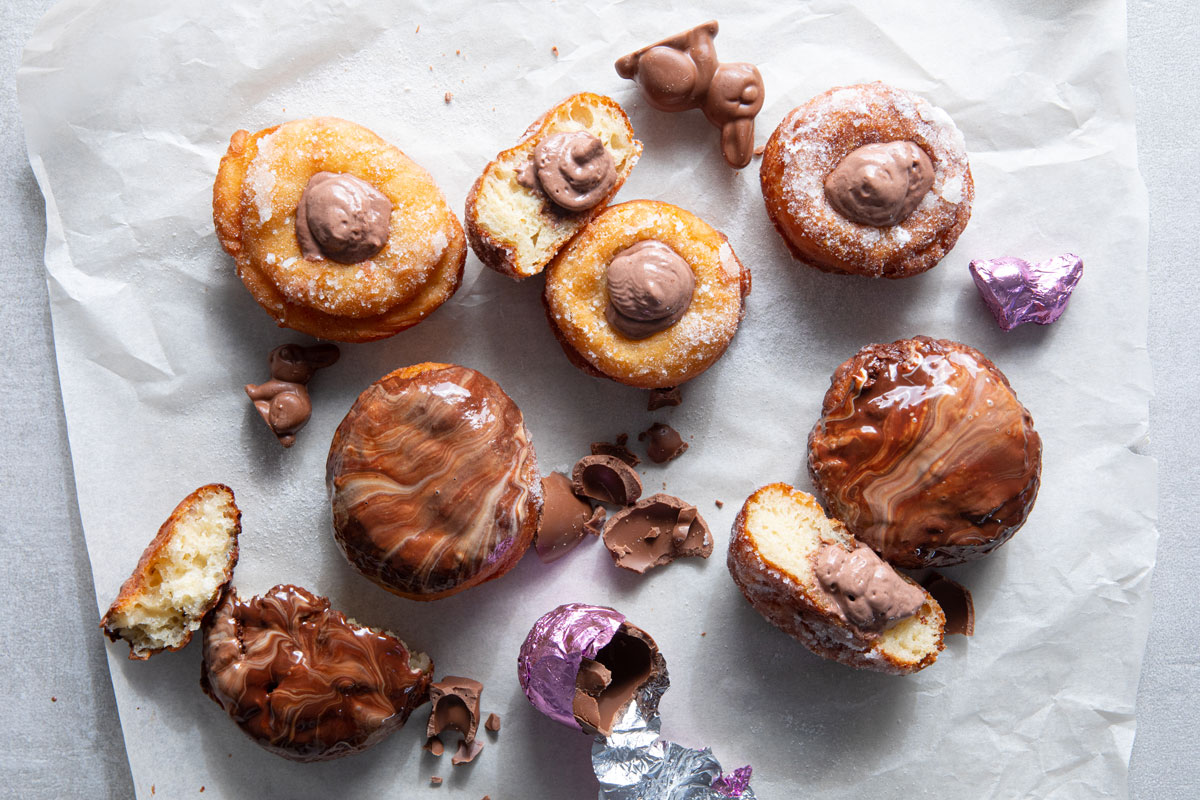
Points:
x=607 y=479
x=719 y=503
x=449 y=97
x=201 y=790
x=458 y=52
x=554 y=50
x=493 y=723
x=435 y=781
x=466 y=752
x=758 y=151
x=663 y=443
x=703 y=633
x=53 y=699
x=418 y=30
x=661 y=398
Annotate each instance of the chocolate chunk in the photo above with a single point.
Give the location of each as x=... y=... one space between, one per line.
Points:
x=607 y=479
x=466 y=752
x=661 y=398
x=455 y=707
x=493 y=723
x=283 y=401
x=663 y=443
x=956 y=603
x=719 y=503
x=435 y=781
x=655 y=532
x=608 y=683
x=434 y=745
x=618 y=450
x=566 y=518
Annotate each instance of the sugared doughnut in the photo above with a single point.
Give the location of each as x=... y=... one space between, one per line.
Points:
x=925 y=453
x=335 y=232
x=868 y=180
x=434 y=482
x=305 y=682
x=648 y=295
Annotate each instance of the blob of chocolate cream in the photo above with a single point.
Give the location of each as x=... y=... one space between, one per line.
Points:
x=607 y=479
x=566 y=519
x=341 y=218
x=607 y=683
x=656 y=531
x=574 y=169
x=880 y=184
x=682 y=72
x=866 y=591
x=455 y=706
x=283 y=401
x=649 y=289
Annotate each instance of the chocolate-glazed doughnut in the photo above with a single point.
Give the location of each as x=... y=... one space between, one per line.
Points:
x=303 y=681
x=925 y=453
x=434 y=482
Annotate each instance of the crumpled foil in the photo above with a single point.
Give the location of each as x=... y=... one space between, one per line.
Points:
x=552 y=651
x=635 y=763
x=1017 y=291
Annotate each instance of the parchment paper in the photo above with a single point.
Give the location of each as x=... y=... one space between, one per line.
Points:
x=129 y=105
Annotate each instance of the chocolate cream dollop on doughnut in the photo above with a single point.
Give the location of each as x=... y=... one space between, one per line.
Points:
x=925 y=453
x=434 y=482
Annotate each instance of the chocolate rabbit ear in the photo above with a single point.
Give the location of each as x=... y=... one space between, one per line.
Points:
x=737 y=141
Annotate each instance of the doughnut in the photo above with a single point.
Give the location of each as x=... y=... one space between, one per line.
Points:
x=434 y=482
x=303 y=681
x=335 y=232
x=925 y=453
x=648 y=295
x=180 y=575
x=535 y=196
x=868 y=180
x=810 y=578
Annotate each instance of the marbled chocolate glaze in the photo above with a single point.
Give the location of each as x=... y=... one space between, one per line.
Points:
x=925 y=453
x=434 y=482
x=303 y=681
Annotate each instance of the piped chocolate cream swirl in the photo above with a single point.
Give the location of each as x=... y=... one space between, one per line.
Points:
x=649 y=289
x=303 y=681
x=433 y=481
x=574 y=169
x=880 y=184
x=341 y=218
x=925 y=453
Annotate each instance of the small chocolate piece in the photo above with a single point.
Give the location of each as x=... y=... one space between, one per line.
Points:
x=434 y=745
x=435 y=781
x=719 y=503
x=866 y=591
x=663 y=443
x=618 y=450
x=650 y=288
x=573 y=169
x=609 y=682
x=661 y=398
x=682 y=72
x=342 y=218
x=1017 y=291
x=467 y=751
x=566 y=519
x=455 y=706
x=656 y=531
x=880 y=184
x=283 y=401
x=956 y=603
x=607 y=479
x=493 y=722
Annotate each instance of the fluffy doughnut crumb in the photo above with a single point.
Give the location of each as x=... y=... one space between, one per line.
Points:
x=180 y=575
x=771 y=558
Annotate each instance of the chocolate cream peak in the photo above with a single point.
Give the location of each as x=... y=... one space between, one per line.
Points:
x=880 y=184
x=650 y=288
x=572 y=168
x=341 y=218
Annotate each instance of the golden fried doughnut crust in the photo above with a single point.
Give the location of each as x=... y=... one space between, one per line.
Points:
x=576 y=295
x=258 y=187
x=813 y=139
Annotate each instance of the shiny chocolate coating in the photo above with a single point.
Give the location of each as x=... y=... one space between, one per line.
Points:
x=303 y=681
x=650 y=287
x=866 y=591
x=433 y=482
x=880 y=184
x=574 y=169
x=341 y=218
x=925 y=453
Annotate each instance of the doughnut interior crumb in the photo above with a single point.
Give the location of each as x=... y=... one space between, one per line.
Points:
x=787 y=527
x=521 y=221
x=180 y=575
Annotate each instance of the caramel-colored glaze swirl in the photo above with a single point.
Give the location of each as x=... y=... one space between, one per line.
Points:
x=925 y=453
x=433 y=481
x=302 y=680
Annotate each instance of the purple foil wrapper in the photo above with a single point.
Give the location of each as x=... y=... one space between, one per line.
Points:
x=1017 y=291
x=556 y=645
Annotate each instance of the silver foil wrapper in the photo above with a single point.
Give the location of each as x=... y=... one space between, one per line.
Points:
x=1017 y=291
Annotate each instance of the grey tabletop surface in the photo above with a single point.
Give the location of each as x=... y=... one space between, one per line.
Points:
x=64 y=734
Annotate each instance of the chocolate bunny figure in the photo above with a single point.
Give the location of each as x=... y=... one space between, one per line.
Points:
x=283 y=401
x=682 y=72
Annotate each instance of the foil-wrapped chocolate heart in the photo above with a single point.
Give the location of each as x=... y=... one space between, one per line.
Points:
x=1017 y=291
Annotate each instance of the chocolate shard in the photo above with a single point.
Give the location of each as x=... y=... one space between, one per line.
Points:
x=435 y=781
x=466 y=752
x=605 y=685
x=607 y=479
x=661 y=398
x=455 y=706
x=434 y=745
x=493 y=723
x=655 y=532
x=956 y=603
x=663 y=443
x=566 y=518
x=619 y=450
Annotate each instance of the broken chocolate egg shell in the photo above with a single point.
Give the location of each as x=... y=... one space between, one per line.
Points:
x=454 y=707
x=656 y=531
x=607 y=684
x=566 y=519
x=607 y=479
